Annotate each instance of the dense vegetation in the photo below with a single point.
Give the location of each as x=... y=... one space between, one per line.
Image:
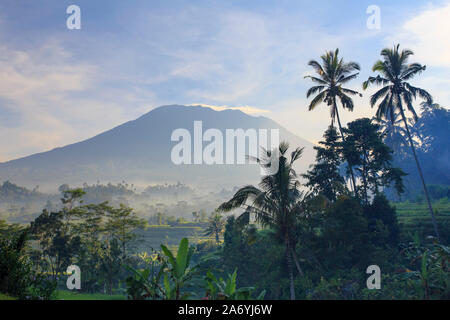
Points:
x=293 y=236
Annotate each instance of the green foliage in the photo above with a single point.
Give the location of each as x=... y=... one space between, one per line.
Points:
x=72 y=196
x=414 y=218
x=259 y=259
x=55 y=240
x=93 y=236
x=424 y=273
x=10 y=192
x=111 y=260
x=73 y=295
x=311 y=246
x=334 y=288
x=166 y=278
x=335 y=246
x=6 y=297
x=146 y=284
x=371 y=158
x=345 y=238
x=121 y=224
x=219 y=289
x=216 y=224
x=17 y=277
x=332 y=74
x=324 y=177
x=179 y=270
x=8 y=230
x=15 y=270
x=430 y=270
x=439 y=192
x=277 y=203
x=397 y=95
x=381 y=214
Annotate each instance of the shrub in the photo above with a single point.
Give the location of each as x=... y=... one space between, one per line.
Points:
x=17 y=278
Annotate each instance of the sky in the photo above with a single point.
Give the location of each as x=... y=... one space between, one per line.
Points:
x=60 y=86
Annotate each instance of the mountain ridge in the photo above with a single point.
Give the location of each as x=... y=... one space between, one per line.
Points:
x=139 y=151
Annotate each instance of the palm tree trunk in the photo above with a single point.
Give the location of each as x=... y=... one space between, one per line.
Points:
x=290 y=269
x=343 y=140
x=297 y=264
x=430 y=208
x=365 y=176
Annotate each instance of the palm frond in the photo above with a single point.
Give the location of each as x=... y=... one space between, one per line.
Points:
x=317 y=99
x=352 y=92
x=379 y=94
x=296 y=154
x=316 y=65
x=314 y=90
x=317 y=80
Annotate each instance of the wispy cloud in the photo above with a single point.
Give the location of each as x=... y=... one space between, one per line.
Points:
x=428 y=34
x=65 y=86
x=51 y=101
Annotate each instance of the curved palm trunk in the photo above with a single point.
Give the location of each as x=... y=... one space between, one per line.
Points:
x=365 y=176
x=430 y=208
x=297 y=263
x=343 y=139
x=290 y=269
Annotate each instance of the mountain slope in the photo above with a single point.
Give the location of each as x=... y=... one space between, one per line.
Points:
x=139 y=152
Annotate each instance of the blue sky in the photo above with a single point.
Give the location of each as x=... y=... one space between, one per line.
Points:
x=59 y=86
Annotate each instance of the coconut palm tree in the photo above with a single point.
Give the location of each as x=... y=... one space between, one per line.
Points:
x=215 y=227
x=396 y=93
x=393 y=132
x=277 y=203
x=333 y=73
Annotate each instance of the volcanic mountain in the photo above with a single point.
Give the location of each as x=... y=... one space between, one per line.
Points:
x=139 y=152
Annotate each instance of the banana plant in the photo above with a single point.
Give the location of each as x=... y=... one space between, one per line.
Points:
x=165 y=275
x=179 y=271
x=145 y=284
x=431 y=278
x=220 y=289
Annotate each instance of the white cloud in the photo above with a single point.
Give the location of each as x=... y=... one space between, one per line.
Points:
x=428 y=34
x=55 y=101
x=310 y=125
x=237 y=57
x=227 y=58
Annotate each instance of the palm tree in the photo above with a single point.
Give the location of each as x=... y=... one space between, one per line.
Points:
x=392 y=131
x=277 y=203
x=394 y=72
x=333 y=73
x=215 y=226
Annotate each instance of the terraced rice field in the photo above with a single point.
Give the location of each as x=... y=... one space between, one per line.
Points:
x=154 y=236
x=414 y=217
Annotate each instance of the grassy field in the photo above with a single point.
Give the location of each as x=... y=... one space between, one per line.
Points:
x=72 y=295
x=6 y=297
